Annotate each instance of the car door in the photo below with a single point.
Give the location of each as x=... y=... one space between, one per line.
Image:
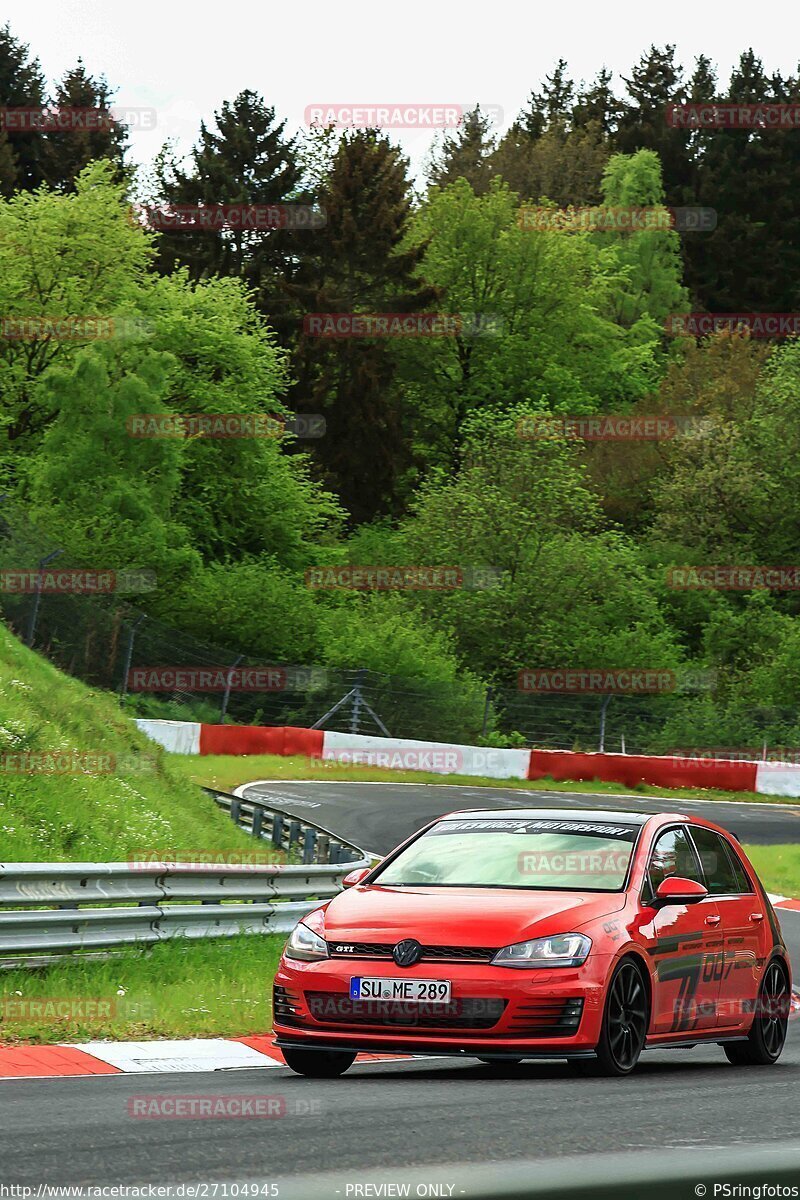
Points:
x=681 y=937
x=743 y=925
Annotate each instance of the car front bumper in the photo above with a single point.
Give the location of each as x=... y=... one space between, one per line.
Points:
x=494 y=1011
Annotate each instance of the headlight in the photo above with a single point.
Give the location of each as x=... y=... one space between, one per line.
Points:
x=306 y=944
x=564 y=950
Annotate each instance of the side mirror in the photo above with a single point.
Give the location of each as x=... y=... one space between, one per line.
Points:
x=676 y=890
x=355 y=877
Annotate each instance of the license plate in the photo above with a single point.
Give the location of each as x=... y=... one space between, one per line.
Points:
x=423 y=991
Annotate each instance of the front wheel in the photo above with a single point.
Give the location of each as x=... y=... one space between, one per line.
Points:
x=767 y=1035
x=318 y=1064
x=625 y=1021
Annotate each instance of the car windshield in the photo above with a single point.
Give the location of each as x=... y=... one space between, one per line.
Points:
x=517 y=853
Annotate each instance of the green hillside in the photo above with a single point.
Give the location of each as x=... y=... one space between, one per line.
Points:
x=120 y=795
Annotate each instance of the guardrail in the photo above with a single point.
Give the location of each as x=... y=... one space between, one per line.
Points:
x=297 y=836
x=64 y=907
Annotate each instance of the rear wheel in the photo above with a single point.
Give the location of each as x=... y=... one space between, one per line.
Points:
x=624 y=1029
x=319 y=1064
x=768 y=1033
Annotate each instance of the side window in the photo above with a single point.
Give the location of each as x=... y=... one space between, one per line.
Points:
x=672 y=854
x=743 y=884
x=718 y=869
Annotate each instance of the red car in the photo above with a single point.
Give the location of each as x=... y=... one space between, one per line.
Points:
x=531 y=933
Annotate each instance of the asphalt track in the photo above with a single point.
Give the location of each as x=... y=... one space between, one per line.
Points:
x=377 y=816
x=412 y=1114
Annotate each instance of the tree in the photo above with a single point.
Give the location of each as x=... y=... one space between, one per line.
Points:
x=21 y=86
x=106 y=499
x=466 y=155
x=359 y=264
x=67 y=257
x=69 y=151
x=569 y=593
x=245 y=159
x=651 y=257
x=538 y=321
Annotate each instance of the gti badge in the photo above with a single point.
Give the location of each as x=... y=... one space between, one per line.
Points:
x=345 y=949
x=407 y=952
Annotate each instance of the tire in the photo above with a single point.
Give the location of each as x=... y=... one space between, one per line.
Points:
x=319 y=1064
x=767 y=1036
x=626 y=1017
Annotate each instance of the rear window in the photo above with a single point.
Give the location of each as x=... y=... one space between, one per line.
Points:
x=506 y=853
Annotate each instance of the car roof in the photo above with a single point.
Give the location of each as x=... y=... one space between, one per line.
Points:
x=558 y=814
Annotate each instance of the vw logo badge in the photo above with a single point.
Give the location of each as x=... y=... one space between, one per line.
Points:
x=407 y=952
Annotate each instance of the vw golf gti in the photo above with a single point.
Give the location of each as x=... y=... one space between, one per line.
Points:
x=529 y=933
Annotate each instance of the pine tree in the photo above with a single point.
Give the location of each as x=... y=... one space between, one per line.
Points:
x=68 y=151
x=248 y=160
x=465 y=155
x=550 y=107
x=359 y=264
x=655 y=82
x=21 y=86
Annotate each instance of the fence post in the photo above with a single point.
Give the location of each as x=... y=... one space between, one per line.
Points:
x=37 y=595
x=357 y=701
x=603 y=708
x=487 y=703
x=226 y=695
x=129 y=655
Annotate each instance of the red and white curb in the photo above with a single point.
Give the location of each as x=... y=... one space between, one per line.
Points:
x=148 y=1058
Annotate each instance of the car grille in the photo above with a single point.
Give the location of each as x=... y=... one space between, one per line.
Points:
x=468 y=1012
x=383 y=950
x=547 y=1017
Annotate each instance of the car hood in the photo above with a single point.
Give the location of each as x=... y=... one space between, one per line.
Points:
x=455 y=916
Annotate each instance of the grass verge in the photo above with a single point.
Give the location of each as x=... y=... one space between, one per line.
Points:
x=216 y=988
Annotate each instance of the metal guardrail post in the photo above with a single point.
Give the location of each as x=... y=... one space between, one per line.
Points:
x=258 y=820
x=309 y=840
x=277 y=831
